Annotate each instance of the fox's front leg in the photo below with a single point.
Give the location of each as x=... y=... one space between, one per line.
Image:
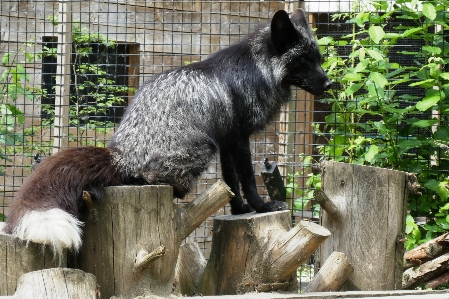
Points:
x=230 y=178
x=241 y=156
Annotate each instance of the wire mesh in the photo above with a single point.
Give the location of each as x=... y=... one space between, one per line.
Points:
x=73 y=67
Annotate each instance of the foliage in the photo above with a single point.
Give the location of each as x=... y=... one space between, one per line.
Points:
x=373 y=121
x=13 y=84
x=302 y=197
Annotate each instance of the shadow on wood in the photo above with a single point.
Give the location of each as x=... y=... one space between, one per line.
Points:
x=132 y=237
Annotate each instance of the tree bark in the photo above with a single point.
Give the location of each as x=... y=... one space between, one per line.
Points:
x=413 y=277
x=258 y=252
x=56 y=283
x=438 y=281
x=190 y=269
x=427 y=251
x=17 y=258
x=331 y=277
x=366 y=219
x=131 y=245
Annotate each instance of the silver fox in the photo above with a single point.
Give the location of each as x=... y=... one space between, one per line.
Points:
x=176 y=123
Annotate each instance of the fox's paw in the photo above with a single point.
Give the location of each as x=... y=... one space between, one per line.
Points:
x=272 y=206
x=243 y=209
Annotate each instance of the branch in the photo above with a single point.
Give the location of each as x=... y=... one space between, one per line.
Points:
x=327 y=204
x=295 y=247
x=144 y=258
x=198 y=210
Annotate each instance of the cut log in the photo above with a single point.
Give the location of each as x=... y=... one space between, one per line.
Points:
x=438 y=281
x=366 y=221
x=17 y=258
x=56 y=283
x=258 y=252
x=331 y=277
x=132 y=243
x=414 y=277
x=427 y=251
x=190 y=269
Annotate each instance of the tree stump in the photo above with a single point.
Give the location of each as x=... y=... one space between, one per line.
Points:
x=365 y=208
x=132 y=237
x=56 y=283
x=258 y=252
x=17 y=258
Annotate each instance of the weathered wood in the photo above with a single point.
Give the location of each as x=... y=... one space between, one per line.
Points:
x=427 y=251
x=371 y=208
x=190 y=269
x=258 y=252
x=413 y=277
x=131 y=243
x=438 y=281
x=17 y=258
x=327 y=205
x=332 y=275
x=56 y=283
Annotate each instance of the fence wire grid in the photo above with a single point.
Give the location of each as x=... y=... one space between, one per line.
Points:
x=74 y=66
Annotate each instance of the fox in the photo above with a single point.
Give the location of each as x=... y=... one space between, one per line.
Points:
x=175 y=125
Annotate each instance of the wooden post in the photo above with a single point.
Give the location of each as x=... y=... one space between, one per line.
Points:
x=258 y=252
x=63 y=63
x=366 y=218
x=17 y=258
x=56 y=283
x=132 y=237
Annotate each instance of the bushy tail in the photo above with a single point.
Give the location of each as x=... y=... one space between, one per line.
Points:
x=46 y=208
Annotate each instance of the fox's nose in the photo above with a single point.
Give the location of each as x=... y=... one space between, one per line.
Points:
x=327 y=84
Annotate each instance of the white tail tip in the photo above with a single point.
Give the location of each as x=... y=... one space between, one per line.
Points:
x=53 y=227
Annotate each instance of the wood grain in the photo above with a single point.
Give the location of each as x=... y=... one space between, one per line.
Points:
x=372 y=204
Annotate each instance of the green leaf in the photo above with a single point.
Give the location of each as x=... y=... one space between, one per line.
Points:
x=5 y=59
x=325 y=41
x=425 y=123
x=373 y=150
x=429 y=10
x=411 y=31
x=378 y=79
x=432 y=50
x=442 y=133
x=352 y=77
x=432 y=98
x=423 y=82
x=376 y=33
x=445 y=76
x=445 y=207
x=375 y=54
x=353 y=88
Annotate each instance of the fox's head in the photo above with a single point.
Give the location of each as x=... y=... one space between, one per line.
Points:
x=293 y=42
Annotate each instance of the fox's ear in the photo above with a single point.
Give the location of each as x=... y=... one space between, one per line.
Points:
x=299 y=18
x=283 y=33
